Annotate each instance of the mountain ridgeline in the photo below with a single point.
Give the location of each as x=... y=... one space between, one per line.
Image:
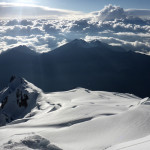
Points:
x=94 y=65
x=17 y=100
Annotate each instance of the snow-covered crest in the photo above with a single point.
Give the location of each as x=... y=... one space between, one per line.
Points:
x=17 y=99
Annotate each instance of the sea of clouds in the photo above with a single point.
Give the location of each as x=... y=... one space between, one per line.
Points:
x=112 y=25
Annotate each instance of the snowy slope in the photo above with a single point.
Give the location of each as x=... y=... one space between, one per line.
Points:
x=139 y=144
x=78 y=119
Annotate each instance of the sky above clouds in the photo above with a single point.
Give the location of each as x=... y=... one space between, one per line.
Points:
x=44 y=25
x=66 y=8
x=85 y=5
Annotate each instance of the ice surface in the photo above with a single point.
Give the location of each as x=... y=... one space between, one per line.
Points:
x=78 y=119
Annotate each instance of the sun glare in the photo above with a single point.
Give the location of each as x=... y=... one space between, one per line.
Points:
x=25 y=1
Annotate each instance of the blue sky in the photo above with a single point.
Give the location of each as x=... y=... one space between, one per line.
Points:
x=86 y=5
x=66 y=8
x=92 y=5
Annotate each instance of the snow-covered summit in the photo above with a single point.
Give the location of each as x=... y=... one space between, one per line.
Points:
x=16 y=82
x=17 y=99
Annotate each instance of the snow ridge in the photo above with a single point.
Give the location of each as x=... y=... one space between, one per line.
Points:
x=17 y=99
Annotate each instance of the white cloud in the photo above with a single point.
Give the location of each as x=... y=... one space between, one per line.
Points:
x=135 y=45
x=10 y=40
x=62 y=42
x=22 y=31
x=143 y=13
x=46 y=34
x=147 y=35
x=110 y=13
x=23 y=22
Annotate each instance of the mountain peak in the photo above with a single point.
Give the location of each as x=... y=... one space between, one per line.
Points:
x=83 y=44
x=95 y=43
x=22 y=49
x=15 y=81
x=79 y=43
x=17 y=99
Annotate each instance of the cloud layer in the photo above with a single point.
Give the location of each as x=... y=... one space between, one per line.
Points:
x=18 y=10
x=111 y=25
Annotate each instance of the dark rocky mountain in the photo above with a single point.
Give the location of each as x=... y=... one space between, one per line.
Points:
x=94 y=65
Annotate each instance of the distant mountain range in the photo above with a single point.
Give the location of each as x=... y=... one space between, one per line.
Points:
x=94 y=65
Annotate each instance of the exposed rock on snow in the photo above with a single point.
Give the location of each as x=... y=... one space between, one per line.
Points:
x=29 y=143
